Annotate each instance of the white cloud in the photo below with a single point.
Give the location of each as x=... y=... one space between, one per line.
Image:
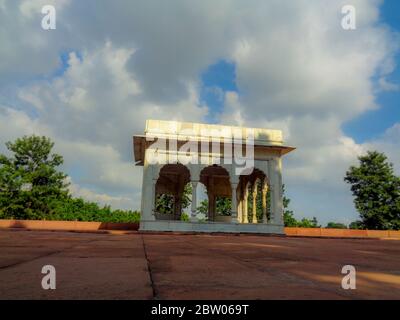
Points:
x=118 y=202
x=389 y=143
x=92 y=112
x=31 y=8
x=296 y=70
x=388 y=86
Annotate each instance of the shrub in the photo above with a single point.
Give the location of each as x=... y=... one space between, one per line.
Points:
x=184 y=217
x=79 y=210
x=336 y=225
x=357 y=225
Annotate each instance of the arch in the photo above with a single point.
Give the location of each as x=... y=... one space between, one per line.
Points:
x=250 y=186
x=169 y=191
x=216 y=179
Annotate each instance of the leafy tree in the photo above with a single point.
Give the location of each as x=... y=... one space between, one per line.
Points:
x=187 y=196
x=203 y=207
x=288 y=216
x=222 y=204
x=289 y=220
x=358 y=225
x=77 y=209
x=29 y=178
x=336 y=225
x=376 y=190
x=307 y=223
x=165 y=202
x=32 y=187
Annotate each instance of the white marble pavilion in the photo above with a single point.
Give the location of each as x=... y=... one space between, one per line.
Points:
x=174 y=154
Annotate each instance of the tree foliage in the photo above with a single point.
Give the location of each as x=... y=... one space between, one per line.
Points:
x=29 y=178
x=77 y=209
x=357 y=225
x=165 y=202
x=223 y=206
x=336 y=225
x=376 y=191
x=32 y=187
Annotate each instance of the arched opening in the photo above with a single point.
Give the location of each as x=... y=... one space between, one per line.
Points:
x=218 y=202
x=173 y=192
x=254 y=197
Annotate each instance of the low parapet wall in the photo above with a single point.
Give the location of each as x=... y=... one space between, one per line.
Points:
x=341 y=233
x=98 y=226
x=67 y=225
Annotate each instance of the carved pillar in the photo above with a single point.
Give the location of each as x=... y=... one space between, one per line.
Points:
x=148 y=192
x=279 y=193
x=273 y=201
x=254 y=218
x=234 y=213
x=239 y=205
x=276 y=191
x=245 y=218
x=264 y=202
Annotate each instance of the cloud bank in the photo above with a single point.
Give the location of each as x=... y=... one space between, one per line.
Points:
x=91 y=84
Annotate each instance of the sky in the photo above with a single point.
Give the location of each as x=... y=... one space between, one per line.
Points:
x=91 y=83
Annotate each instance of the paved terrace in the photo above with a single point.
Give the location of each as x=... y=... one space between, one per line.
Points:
x=160 y=266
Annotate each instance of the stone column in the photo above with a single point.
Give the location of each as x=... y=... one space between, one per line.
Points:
x=245 y=218
x=279 y=193
x=194 y=199
x=234 y=213
x=273 y=201
x=153 y=199
x=264 y=202
x=240 y=206
x=254 y=218
x=276 y=191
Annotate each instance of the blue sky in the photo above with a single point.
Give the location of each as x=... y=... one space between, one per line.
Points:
x=216 y=80
x=220 y=77
x=106 y=95
x=373 y=123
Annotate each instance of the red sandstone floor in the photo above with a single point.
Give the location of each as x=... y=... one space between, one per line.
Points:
x=136 y=266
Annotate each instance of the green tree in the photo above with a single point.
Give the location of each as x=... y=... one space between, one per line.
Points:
x=289 y=220
x=222 y=204
x=187 y=196
x=288 y=216
x=165 y=202
x=78 y=209
x=358 y=225
x=203 y=207
x=29 y=178
x=376 y=191
x=336 y=225
x=308 y=223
